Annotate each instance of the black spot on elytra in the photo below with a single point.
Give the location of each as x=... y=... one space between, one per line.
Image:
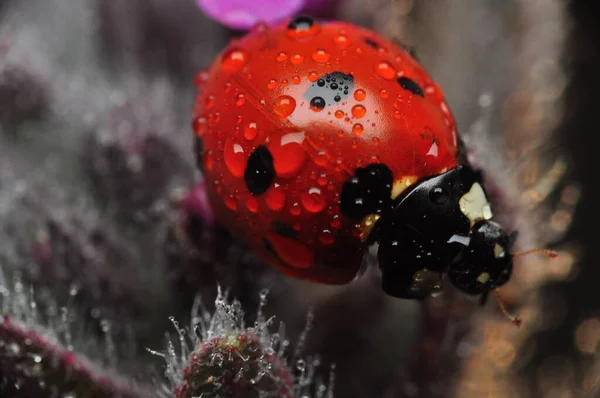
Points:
x=301 y=23
x=199 y=150
x=284 y=229
x=259 y=173
x=317 y=103
x=411 y=85
x=371 y=43
x=330 y=88
x=368 y=192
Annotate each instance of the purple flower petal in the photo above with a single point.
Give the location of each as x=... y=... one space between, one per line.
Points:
x=243 y=14
x=321 y=8
x=196 y=203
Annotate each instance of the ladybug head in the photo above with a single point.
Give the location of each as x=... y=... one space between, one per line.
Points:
x=442 y=225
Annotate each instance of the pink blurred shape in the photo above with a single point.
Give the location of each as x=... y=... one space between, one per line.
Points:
x=243 y=14
x=196 y=203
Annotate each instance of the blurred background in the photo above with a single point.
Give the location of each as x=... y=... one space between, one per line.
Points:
x=100 y=209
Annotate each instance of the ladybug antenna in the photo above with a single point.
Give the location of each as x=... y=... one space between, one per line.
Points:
x=547 y=252
x=514 y=319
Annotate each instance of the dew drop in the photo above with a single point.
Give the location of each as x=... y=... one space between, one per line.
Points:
x=275 y=198
x=359 y=111
x=199 y=126
x=313 y=76
x=235 y=59
x=250 y=131
x=296 y=79
x=296 y=210
x=281 y=57
x=341 y=40
x=289 y=155
x=317 y=104
x=301 y=365
x=235 y=158
x=321 y=83
x=209 y=102
x=397 y=115
x=327 y=237
x=320 y=56
x=284 y=106
x=360 y=95
x=336 y=222
x=375 y=141
x=313 y=200
x=297 y=59
x=386 y=70
x=272 y=84
x=383 y=93
x=321 y=159
x=240 y=99
x=231 y=203
x=339 y=114
x=252 y=204
x=209 y=160
x=358 y=129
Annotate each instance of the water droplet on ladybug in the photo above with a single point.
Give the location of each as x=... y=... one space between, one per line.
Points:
x=296 y=79
x=336 y=222
x=322 y=179
x=320 y=56
x=297 y=59
x=281 y=57
x=235 y=157
x=341 y=40
x=386 y=70
x=272 y=84
x=339 y=114
x=295 y=209
x=397 y=115
x=235 y=59
x=375 y=141
x=313 y=76
x=284 y=106
x=275 y=199
x=208 y=159
x=360 y=95
x=317 y=104
x=209 y=102
x=252 y=204
x=359 y=111
x=358 y=129
x=321 y=159
x=250 y=131
x=337 y=98
x=231 y=203
x=240 y=99
x=313 y=200
x=199 y=126
x=327 y=237
x=289 y=154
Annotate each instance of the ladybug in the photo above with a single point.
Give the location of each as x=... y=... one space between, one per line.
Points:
x=318 y=140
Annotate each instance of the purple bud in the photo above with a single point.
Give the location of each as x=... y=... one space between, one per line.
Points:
x=196 y=204
x=243 y=14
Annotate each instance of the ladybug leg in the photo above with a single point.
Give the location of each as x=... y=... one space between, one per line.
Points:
x=367 y=192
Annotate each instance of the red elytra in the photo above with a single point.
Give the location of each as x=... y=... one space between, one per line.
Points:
x=320 y=100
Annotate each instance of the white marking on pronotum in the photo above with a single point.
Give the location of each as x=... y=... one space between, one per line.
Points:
x=433 y=150
x=465 y=240
x=473 y=204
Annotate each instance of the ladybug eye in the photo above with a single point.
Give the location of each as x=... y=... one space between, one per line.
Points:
x=439 y=195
